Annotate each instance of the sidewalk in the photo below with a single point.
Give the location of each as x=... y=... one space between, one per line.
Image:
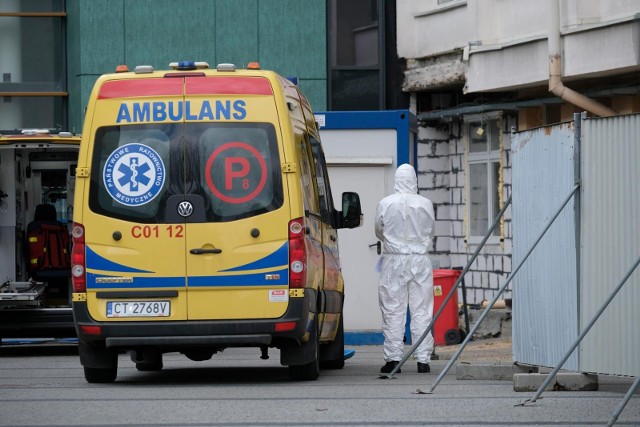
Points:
x=483 y=351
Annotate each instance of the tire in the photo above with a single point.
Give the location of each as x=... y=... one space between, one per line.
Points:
x=311 y=370
x=100 y=364
x=452 y=336
x=99 y=375
x=333 y=349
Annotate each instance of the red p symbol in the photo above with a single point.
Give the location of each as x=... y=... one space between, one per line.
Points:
x=229 y=172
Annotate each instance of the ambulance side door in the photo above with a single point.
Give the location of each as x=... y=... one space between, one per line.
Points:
x=333 y=285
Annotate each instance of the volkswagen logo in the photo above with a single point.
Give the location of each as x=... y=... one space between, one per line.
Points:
x=185 y=209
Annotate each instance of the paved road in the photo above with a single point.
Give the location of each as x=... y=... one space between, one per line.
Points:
x=43 y=385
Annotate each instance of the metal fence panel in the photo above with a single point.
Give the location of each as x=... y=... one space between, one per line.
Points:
x=545 y=319
x=610 y=240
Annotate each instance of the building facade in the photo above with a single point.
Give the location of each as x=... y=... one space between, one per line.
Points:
x=342 y=54
x=478 y=70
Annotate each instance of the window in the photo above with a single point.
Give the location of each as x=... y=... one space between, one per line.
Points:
x=483 y=177
x=322 y=179
x=232 y=170
x=33 y=81
x=356 y=55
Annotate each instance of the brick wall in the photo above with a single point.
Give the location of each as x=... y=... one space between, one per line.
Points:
x=441 y=178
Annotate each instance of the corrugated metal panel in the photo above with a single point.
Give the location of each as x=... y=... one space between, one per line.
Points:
x=545 y=319
x=610 y=237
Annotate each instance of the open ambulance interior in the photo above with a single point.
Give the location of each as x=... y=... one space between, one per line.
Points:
x=37 y=178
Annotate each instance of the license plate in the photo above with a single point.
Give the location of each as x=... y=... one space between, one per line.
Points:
x=138 y=308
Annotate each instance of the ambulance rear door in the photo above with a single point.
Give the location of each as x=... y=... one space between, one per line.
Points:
x=135 y=248
x=237 y=242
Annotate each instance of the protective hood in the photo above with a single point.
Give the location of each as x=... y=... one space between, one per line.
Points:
x=406 y=180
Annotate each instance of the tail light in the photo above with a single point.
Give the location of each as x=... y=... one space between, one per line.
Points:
x=297 y=254
x=78 y=276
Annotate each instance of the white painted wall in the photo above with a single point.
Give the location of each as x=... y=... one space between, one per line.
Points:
x=364 y=161
x=504 y=43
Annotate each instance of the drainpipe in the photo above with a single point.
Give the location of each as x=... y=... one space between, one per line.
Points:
x=555 y=70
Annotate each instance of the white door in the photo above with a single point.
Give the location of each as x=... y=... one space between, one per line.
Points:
x=361 y=309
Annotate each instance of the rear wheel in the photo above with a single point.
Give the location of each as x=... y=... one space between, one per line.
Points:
x=100 y=364
x=309 y=371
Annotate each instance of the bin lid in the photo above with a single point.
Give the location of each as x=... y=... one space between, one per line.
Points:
x=440 y=272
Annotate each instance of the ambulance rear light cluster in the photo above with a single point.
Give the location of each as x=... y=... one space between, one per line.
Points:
x=78 y=261
x=297 y=254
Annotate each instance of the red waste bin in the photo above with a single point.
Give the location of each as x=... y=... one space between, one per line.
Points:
x=446 y=330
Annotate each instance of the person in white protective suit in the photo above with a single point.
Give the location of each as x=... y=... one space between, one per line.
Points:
x=404 y=223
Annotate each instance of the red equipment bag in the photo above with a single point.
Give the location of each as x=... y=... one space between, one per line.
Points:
x=48 y=247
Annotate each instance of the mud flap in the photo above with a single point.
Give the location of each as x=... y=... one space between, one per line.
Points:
x=97 y=356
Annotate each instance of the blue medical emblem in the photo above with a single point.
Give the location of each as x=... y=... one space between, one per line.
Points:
x=134 y=174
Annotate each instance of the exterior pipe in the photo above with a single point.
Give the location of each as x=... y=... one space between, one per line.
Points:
x=555 y=70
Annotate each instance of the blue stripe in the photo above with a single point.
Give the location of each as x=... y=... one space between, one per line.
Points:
x=98 y=262
x=363 y=338
x=258 y=279
x=274 y=259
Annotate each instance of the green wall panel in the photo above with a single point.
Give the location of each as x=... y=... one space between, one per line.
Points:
x=158 y=32
x=102 y=43
x=288 y=36
x=292 y=37
x=236 y=32
x=316 y=93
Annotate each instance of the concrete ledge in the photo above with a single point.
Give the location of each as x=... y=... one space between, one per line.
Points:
x=484 y=372
x=563 y=381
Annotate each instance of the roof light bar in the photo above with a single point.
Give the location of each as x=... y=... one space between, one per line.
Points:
x=35 y=131
x=188 y=65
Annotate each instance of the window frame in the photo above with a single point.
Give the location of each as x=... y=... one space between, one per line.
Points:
x=33 y=90
x=489 y=157
x=378 y=68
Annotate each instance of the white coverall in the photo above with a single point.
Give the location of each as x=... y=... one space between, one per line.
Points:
x=404 y=223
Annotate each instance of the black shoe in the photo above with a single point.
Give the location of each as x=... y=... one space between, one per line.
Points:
x=423 y=368
x=390 y=366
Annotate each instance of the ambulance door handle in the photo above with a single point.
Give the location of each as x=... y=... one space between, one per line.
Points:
x=378 y=247
x=198 y=251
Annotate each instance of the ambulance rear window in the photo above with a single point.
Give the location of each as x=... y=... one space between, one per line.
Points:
x=227 y=171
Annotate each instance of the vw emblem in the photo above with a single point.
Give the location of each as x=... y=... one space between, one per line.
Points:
x=185 y=209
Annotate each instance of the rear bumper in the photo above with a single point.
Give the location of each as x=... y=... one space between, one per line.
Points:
x=175 y=336
x=36 y=323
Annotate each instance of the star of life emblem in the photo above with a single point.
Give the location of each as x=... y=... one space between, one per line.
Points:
x=134 y=174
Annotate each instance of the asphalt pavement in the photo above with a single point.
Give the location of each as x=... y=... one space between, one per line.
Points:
x=43 y=385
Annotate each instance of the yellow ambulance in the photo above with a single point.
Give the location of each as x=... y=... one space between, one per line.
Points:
x=204 y=220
